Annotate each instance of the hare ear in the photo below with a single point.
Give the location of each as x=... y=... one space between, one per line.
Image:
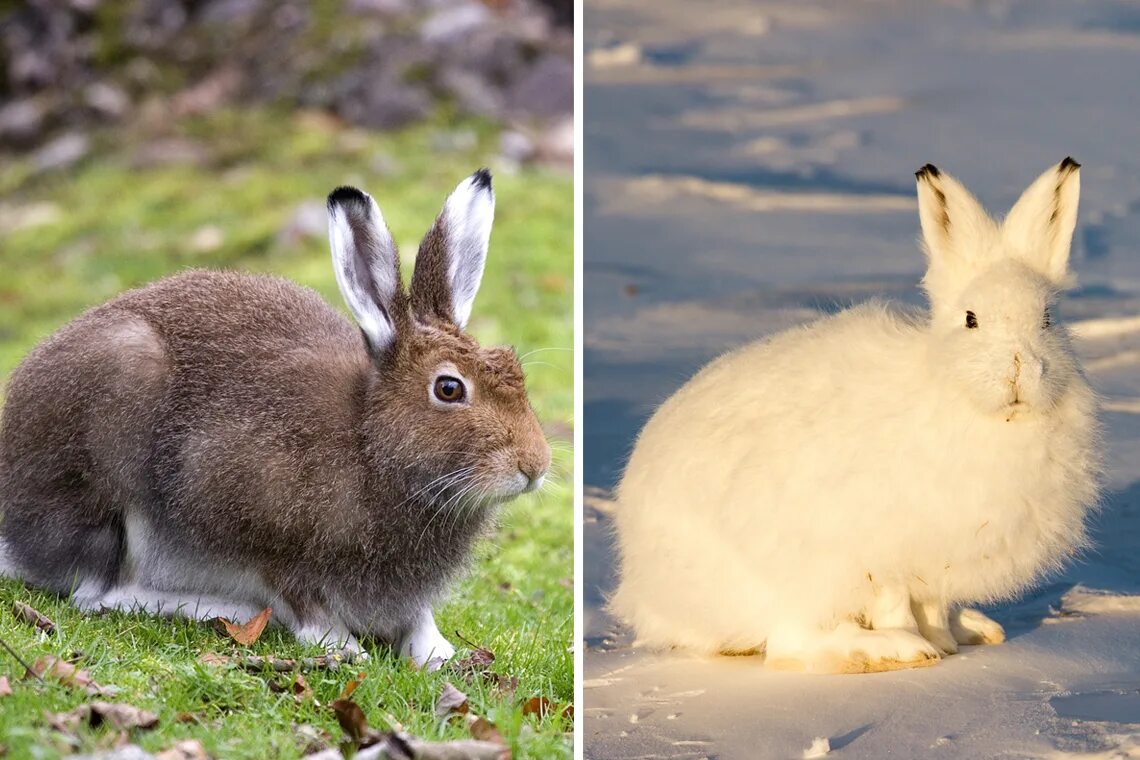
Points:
x=1040 y=225
x=955 y=228
x=367 y=266
x=449 y=265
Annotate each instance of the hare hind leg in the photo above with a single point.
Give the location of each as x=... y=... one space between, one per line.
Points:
x=933 y=620
x=74 y=438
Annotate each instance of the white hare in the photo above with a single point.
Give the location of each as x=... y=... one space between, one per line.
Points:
x=834 y=494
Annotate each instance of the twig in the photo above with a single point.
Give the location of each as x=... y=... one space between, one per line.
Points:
x=20 y=660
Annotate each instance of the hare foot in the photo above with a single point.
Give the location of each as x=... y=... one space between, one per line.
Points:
x=972 y=627
x=848 y=648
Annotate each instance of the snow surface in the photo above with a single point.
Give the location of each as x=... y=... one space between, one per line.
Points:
x=749 y=165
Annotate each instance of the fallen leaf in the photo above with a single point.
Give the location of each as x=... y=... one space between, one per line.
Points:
x=504 y=685
x=352 y=722
x=251 y=631
x=486 y=731
x=539 y=706
x=451 y=702
x=187 y=749
x=31 y=616
x=5 y=687
x=67 y=674
x=350 y=687
x=479 y=660
x=188 y=717
x=118 y=715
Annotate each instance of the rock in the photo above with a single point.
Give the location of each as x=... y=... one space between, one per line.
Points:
x=545 y=90
x=473 y=93
x=62 y=152
x=21 y=121
x=386 y=105
x=379 y=7
x=451 y=23
x=106 y=98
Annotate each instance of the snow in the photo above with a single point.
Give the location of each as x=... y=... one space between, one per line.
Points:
x=749 y=165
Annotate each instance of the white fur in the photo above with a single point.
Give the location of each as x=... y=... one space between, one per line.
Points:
x=365 y=310
x=7 y=565
x=810 y=492
x=425 y=645
x=468 y=215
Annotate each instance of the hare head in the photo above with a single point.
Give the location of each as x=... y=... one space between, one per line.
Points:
x=993 y=288
x=441 y=413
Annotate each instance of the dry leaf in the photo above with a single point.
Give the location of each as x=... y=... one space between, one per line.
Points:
x=51 y=667
x=451 y=702
x=32 y=616
x=350 y=687
x=479 y=660
x=352 y=722
x=485 y=731
x=188 y=717
x=5 y=687
x=118 y=715
x=187 y=749
x=251 y=631
x=504 y=685
x=539 y=706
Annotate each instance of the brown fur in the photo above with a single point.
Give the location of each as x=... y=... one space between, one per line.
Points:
x=245 y=419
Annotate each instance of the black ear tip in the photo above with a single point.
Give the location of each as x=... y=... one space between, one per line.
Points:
x=482 y=179
x=1068 y=164
x=929 y=170
x=347 y=196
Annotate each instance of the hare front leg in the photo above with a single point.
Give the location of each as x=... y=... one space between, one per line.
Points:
x=972 y=627
x=425 y=644
x=934 y=624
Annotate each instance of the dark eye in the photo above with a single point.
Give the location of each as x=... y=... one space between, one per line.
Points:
x=971 y=320
x=449 y=389
x=1047 y=320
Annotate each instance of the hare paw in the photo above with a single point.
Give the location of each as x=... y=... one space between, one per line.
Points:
x=972 y=627
x=849 y=648
x=425 y=645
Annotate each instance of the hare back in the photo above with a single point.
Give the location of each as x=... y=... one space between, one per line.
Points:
x=218 y=408
x=790 y=478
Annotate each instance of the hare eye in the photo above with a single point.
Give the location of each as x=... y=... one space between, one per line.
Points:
x=449 y=389
x=971 y=320
x=1047 y=320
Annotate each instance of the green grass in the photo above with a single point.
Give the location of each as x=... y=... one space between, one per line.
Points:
x=113 y=226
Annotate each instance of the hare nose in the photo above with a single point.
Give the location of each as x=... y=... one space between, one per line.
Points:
x=533 y=467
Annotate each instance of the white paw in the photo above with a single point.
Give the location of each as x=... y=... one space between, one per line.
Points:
x=333 y=637
x=972 y=627
x=890 y=649
x=941 y=638
x=426 y=646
